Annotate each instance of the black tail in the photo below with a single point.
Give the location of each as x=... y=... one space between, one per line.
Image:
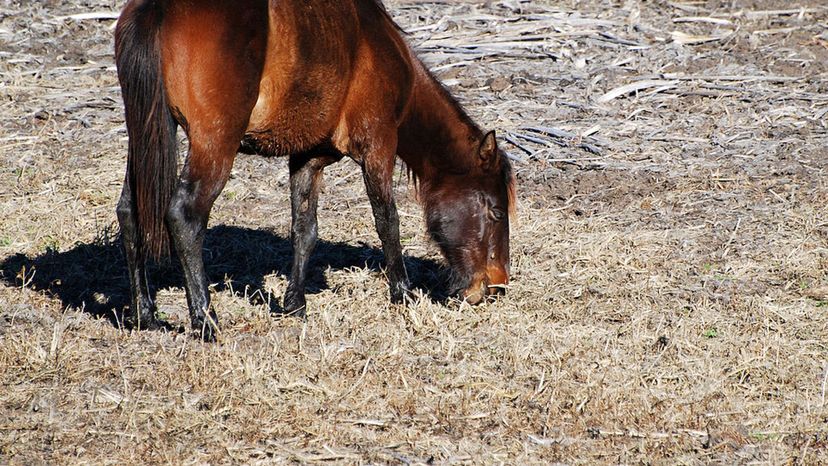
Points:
x=153 y=152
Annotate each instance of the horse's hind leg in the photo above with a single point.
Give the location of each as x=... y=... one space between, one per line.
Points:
x=305 y=177
x=202 y=179
x=141 y=313
x=212 y=58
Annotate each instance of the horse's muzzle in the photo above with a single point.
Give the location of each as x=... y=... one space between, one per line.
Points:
x=493 y=284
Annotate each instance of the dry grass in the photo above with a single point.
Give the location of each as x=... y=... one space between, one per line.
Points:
x=670 y=292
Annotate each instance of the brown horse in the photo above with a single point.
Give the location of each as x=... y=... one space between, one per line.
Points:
x=314 y=80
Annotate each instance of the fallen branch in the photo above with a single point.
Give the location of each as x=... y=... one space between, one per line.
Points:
x=700 y=77
x=635 y=87
x=587 y=143
x=702 y=19
x=597 y=432
x=97 y=16
x=759 y=14
x=513 y=141
x=690 y=39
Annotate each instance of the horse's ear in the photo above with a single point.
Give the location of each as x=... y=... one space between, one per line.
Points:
x=488 y=151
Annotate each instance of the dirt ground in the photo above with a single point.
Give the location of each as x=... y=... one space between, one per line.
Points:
x=670 y=293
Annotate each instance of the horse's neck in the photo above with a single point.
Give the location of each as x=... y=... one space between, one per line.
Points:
x=436 y=134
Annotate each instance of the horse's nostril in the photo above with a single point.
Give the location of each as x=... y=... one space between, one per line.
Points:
x=482 y=292
x=475 y=297
x=475 y=294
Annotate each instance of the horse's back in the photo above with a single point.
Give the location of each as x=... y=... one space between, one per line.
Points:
x=287 y=74
x=332 y=66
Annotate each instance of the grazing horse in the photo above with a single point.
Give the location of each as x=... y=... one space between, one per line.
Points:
x=314 y=80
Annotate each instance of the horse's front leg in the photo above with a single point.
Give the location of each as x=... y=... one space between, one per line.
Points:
x=305 y=177
x=141 y=313
x=202 y=179
x=378 y=174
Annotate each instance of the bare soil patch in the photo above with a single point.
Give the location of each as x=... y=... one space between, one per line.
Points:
x=670 y=296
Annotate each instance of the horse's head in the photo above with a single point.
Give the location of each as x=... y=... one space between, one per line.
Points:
x=468 y=217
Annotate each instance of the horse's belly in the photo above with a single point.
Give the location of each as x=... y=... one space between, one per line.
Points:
x=284 y=123
x=304 y=82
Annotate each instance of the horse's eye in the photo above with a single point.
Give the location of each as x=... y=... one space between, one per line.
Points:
x=497 y=215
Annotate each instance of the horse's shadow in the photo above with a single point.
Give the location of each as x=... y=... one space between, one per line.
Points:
x=94 y=277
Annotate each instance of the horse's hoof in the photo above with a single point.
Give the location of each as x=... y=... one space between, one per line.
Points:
x=400 y=294
x=207 y=335
x=295 y=305
x=206 y=329
x=144 y=320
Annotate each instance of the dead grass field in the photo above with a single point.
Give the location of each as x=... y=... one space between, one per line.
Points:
x=670 y=295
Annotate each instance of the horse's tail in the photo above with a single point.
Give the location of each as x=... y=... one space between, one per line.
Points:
x=153 y=153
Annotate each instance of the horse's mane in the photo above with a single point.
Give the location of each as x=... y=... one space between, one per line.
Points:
x=381 y=7
x=509 y=182
x=443 y=92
